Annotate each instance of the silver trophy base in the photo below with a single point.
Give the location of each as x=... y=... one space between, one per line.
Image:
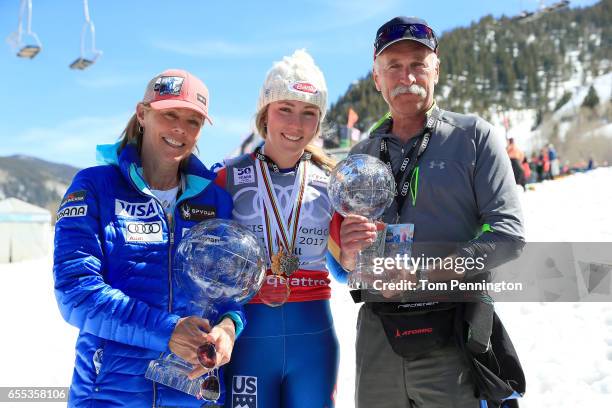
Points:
x=363 y=276
x=172 y=372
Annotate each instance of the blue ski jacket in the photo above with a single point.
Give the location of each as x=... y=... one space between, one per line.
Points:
x=113 y=271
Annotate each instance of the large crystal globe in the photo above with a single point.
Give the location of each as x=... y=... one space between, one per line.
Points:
x=219 y=260
x=363 y=185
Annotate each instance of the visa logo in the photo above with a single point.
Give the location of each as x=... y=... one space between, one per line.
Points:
x=136 y=210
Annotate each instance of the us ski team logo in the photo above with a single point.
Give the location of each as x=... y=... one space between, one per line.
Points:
x=244 y=392
x=136 y=210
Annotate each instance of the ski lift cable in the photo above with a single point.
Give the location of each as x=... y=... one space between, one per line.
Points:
x=29 y=6
x=86 y=10
x=22 y=6
x=84 y=60
x=88 y=25
x=30 y=32
x=16 y=39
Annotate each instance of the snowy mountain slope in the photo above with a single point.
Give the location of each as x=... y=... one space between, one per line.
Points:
x=603 y=87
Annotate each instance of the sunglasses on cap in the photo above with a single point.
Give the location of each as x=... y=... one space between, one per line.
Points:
x=418 y=32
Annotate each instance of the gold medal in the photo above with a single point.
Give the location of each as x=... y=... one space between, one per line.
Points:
x=276 y=263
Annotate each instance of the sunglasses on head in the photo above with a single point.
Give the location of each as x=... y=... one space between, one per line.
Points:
x=410 y=31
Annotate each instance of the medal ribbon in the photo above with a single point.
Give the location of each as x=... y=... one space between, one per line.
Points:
x=270 y=203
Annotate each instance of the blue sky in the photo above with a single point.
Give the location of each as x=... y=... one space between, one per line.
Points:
x=59 y=114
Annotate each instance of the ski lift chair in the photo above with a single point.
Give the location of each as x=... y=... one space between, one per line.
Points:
x=29 y=46
x=29 y=51
x=87 y=57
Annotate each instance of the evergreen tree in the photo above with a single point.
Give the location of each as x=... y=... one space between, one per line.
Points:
x=592 y=99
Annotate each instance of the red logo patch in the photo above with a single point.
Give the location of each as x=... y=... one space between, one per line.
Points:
x=425 y=330
x=305 y=87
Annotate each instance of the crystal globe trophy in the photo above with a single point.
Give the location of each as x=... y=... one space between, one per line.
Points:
x=363 y=185
x=217 y=266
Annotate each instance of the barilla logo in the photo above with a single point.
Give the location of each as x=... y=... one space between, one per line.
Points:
x=425 y=330
x=304 y=87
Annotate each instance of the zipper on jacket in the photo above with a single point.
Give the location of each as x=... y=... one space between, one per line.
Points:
x=171 y=244
x=170 y=224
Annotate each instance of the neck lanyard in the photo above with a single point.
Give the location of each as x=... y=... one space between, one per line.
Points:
x=259 y=155
x=403 y=178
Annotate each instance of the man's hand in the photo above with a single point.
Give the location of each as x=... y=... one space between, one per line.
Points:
x=356 y=233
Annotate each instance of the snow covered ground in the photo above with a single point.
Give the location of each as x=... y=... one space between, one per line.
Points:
x=565 y=348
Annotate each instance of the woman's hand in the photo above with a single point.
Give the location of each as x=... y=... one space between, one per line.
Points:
x=223 y=337
x=192 y=332
x=189 y=334
x=356 y=233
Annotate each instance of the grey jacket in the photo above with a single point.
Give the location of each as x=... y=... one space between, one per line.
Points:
x=466 y=191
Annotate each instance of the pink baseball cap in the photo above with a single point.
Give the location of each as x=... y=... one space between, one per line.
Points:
x=176 y=88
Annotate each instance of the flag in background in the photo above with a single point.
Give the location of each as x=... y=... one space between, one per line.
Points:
x=352 y=118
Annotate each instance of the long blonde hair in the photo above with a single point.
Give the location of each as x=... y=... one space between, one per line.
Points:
x=133 y=132
x=319 y=157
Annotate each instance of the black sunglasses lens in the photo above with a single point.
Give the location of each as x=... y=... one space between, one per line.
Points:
x=420 y=31
x=207 y=355
x=392 y=33
x=211 y=389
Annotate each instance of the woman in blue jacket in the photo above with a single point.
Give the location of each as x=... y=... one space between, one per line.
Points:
x=116 y=234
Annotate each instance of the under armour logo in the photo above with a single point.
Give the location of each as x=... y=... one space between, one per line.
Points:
x=441 y=165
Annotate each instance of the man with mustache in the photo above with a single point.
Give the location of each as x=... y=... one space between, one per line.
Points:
x=455 y=185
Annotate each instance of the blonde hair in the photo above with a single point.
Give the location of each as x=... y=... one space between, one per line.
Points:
x=133 y=132
x=319 y=157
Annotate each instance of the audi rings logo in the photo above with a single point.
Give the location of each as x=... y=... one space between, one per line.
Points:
x=144 y=232
x=138 y=228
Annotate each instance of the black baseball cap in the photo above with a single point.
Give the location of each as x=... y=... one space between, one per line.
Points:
x=404 y=28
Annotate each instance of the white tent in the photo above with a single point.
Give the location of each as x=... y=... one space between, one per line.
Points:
x=25 y=231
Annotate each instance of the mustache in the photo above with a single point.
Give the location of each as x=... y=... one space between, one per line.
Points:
x=413 y=89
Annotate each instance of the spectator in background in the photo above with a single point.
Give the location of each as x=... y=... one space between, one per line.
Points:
x=516 y=158
x=526 y=170
x=566 y=168
x=543 y=166
x=533 y=166
x=591 y=164
x=554 y=161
